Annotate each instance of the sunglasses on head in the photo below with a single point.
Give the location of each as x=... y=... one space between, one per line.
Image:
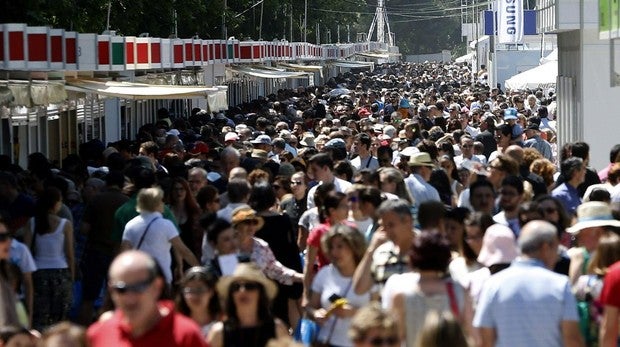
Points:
x=236 y=286
x=5 y=237
x=194 y=291
x=121 y=287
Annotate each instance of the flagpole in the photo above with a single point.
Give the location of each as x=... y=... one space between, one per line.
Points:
x=496 y=5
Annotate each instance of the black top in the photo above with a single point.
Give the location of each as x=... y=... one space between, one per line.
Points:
x=257 y=336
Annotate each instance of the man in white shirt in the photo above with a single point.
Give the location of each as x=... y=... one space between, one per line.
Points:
x=422 y=167
x=321 y=167
x=467 y=152
x=364 y=159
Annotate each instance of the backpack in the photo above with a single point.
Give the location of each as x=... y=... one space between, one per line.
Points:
x=587 y=291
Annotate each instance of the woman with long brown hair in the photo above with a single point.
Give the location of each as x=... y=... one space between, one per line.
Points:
x=187 y=213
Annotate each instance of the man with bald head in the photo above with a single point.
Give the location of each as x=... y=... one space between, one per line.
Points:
x=527 y=304
x=537 y=182
x=140 y=319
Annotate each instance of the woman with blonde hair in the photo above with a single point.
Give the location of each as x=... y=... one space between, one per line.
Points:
x=441 y=330
x=333 y=302
x=588 y=287
x=153 y=234
x=373 y=326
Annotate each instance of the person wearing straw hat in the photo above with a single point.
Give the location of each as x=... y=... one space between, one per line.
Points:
x=421 y=166
x=247 y=296
x=246 y=222
x=594 y=218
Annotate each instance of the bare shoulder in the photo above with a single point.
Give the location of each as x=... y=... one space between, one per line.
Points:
x=281 y=328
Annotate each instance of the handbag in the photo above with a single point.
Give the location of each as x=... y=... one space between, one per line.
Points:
x=306 y=331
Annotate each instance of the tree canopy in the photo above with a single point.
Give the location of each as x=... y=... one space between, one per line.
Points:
x=423 y=26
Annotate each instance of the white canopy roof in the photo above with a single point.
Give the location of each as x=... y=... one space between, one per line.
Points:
x=265 y=73
x=542 y=76
x=352 y=64
x=467 y=58
x=136 y=91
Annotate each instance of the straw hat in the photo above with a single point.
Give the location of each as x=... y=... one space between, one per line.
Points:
x=421 y=159
x=307 y=140
x=593 y=214
x=245 y=213
x=247 y=272
x=498 y=246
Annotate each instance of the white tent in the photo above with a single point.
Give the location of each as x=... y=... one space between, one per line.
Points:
x=467 y=58
x=542 y=76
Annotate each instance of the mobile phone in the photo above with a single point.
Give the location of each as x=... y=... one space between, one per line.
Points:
x=334 y=297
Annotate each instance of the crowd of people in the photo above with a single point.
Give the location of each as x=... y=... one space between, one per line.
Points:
x=409 y=205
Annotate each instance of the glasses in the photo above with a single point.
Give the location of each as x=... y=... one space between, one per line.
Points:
x=276 y=187
x=250 y=222
x=296 y=183
x=382 y=341
x=121 y=287
x=236 y=286
x=5 y=237
x=194 y=291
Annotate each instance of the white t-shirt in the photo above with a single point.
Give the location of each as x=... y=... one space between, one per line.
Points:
x=156 y=241
x=396 y=284
x=340 y=184
x=20 y=255
x=328 y=281
x=309 y=219
x=368 y=163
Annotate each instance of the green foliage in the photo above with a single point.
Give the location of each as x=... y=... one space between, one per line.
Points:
x=421 y=26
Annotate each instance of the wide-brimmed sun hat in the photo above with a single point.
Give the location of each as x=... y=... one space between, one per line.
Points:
x=593 y=214
x=249 y=272
x=498 y=246
x=421 y=159
x=245 y=214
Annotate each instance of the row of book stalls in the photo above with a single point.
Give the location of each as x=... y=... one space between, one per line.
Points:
x=59 y=89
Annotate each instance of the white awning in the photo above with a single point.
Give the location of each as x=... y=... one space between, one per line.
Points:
x=378 y=55
x=264 y=73
x=136 y=91
x=352 y=64
x=305 y=68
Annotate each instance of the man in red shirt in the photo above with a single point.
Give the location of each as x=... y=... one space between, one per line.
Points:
x=140 y=319
x=610 y=299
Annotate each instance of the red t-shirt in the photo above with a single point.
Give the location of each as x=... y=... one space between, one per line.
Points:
x=611 y=286
x=314 y=239
x=174 y=330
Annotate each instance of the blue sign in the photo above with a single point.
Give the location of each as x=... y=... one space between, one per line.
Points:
x=529 y=22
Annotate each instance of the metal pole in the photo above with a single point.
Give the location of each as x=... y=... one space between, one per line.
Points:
x=305 y=20
x=107 y=26
x=260 y=29
x=224 y=32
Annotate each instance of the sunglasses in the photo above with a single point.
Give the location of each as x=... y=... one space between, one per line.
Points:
x=295 y=183
x=194 y=291
x=250 y=222
x=236 y=286
x=5 y=237
x=276 y=187
x=121 y=287
x=382 y=341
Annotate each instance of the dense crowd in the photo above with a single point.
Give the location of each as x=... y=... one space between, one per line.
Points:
x=409 y=205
